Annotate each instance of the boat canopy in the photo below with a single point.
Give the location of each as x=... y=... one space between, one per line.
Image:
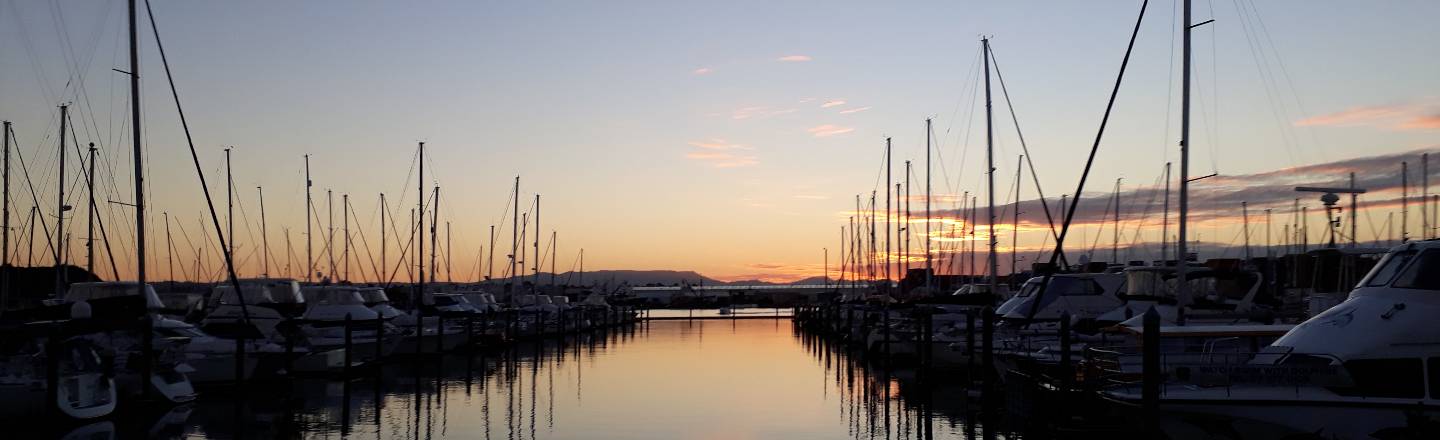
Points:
x=333 y=295
x=259 y=291
x=112 y=289
x=374 y=295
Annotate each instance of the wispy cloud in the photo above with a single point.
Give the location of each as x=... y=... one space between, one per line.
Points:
x=719 y=144
x=759 y=112
x=702 y=71
x=832 y=103
x=828 y=130
x=1407 y=116
x=794 y=58
x=1423 y=122
x=720 y=159
x=720 y=153
x=854 y=110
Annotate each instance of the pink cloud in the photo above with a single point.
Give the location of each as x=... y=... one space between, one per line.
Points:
x=719 y=159
x=828 y=130
x=832 y=103
x=794 y=58
x=1412 y=116
x=854 y=110
x=702 y=71
x=1423 y=122
x=758 y=112
x=718 y=144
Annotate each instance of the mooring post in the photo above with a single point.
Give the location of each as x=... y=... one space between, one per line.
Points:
x=469 y=330
x=987 y=355
x=379 y=337
x=1066 y=372
x=239 y=360
x=440 y=332
x=1150 y=348
x=929 y=338
x=970 y=344
x=348 y=349
x=289 y=347
x=52 y=371
x=419 y=331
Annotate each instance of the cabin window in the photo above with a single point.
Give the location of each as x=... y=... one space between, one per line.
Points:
x=1434 y=366
x=1424 y=273
x=1388 y=267
x=1397 y=378
x=1076 y=287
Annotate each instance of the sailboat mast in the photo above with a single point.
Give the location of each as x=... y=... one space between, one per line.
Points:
x=169 y=248
x=264 y=236
x=384 y=265
x=1182 y=288
x=905 y=259
x=5 y=223
x=1404 y=202
x=554 y=250
x=1245 y=227
x=135 y=131
x=345 y=230
x=929 y=267
x=1015 y=224
x=330 y=232
x=990 y=173
x=229 y=202
x=420 y=204
x=1115 y=244
x=309 y=239
x=515 y=241
x=1165 y=220
x=535 y=279
x=449 y=268
x=90 y=215
x=60 y=210
x=434 y=234
x=888 y=217
x=490 y=265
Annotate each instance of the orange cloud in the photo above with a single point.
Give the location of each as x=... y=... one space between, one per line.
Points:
x=794 y=58
x=828 y=130
x=1412 y=116
x=832 y=103
x=719 y=144
x=1423 y=122
x=758 y=112
x=854 y=110
x=719 y=159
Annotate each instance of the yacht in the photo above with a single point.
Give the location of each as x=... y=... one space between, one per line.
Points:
x=86 y=391
x=1219 y=295
x=326 y=310
x=1367 y=367
x=120 y=300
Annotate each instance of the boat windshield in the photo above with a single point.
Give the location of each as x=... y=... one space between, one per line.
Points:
x=1029 y=288
x=374 y=296
x=1423 y=274
x=1390 y=265
x=338 y=297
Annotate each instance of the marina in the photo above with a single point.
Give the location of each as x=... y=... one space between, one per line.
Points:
x=1257 y=270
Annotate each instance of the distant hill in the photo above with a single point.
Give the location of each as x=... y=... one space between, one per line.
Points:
x=660 y=277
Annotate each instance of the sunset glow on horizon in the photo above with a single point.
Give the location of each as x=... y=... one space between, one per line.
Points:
x=731 y=139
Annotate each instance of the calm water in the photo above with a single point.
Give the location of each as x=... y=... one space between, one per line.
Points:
x=702 y=379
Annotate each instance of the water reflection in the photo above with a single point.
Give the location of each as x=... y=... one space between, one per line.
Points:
x=700 y=379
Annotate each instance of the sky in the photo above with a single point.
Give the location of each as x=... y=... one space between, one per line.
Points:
x=728 y=138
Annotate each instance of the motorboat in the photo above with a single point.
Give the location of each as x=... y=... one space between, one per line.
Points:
x=86 y=391
x=1216 y=296
x=1359 y=369
x=121 y=300
x=326 y=312
x=264 y=304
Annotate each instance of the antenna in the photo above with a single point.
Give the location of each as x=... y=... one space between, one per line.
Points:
x=1329 y=199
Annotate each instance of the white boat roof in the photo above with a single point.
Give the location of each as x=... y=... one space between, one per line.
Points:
x=112 y=289
x=332 y=295
x=1216 y=330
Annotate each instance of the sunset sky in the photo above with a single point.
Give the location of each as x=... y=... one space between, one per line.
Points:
x=729 y=138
